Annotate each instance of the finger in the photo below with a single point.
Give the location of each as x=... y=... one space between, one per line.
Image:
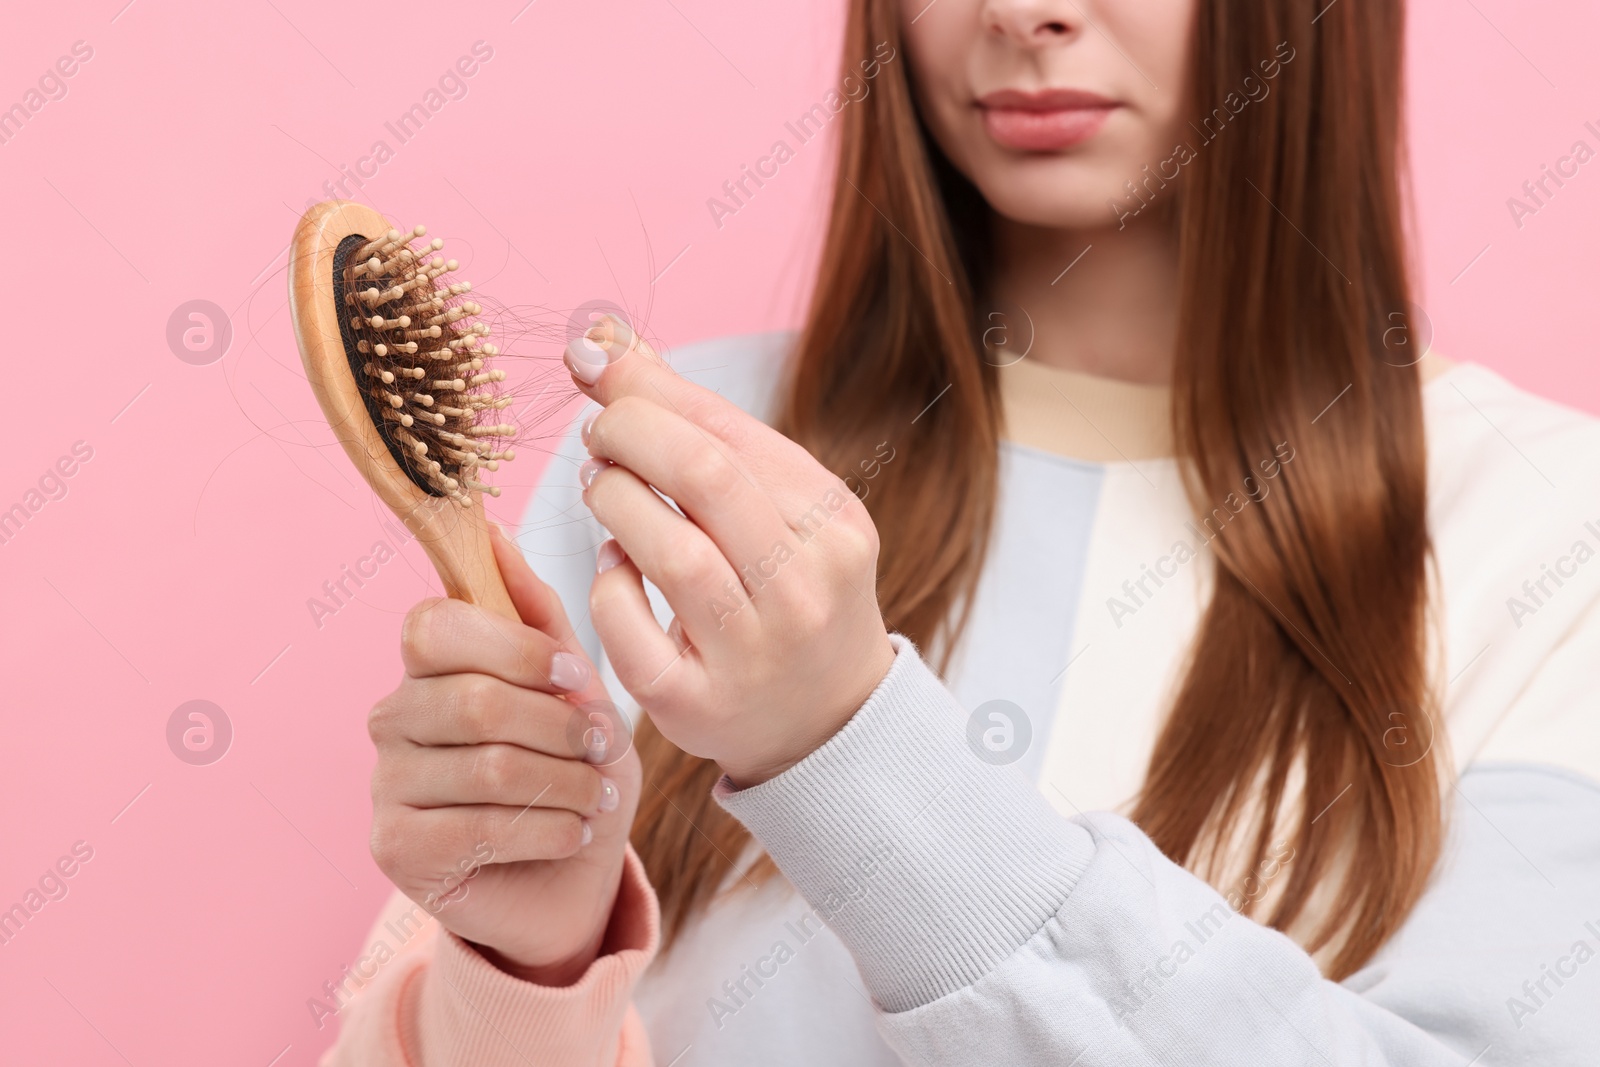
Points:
x=699 y=473
x=610 y=362
x=452 y=637
x=477 y=709
x=411 y=839
x=639 y=651
x=537 y=604
x=674 y=553
x=428 y=777
x=540 y=608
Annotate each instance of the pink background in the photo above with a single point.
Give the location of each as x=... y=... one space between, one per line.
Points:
x=577 y=166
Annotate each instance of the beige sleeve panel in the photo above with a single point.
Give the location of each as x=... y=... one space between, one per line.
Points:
x=1556 y=719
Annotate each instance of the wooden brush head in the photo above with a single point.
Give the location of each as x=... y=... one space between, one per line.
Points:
x=397 y=362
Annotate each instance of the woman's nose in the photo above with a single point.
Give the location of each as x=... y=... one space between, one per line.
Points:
x=1032 y=23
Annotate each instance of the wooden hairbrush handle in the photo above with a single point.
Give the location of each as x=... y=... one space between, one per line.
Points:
x=455 y=537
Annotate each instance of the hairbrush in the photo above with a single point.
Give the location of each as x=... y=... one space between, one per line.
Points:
x=397 y=360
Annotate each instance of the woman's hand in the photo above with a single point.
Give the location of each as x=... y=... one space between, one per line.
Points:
x=770 y=568
x=495 y=802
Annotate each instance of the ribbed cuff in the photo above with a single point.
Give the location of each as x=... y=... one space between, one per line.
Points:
x=473 y=1013
x=931 y=865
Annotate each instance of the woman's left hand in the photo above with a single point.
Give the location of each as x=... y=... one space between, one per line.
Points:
x=770 y=569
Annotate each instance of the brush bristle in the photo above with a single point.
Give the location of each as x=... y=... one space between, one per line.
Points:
x=421 y=357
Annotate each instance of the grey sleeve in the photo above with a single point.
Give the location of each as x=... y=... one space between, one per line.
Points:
x=990 y=929
x=559 y=535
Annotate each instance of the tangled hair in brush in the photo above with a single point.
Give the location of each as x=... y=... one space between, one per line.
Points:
x=417 y=353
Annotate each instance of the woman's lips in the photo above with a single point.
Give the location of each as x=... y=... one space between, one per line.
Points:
x=1045 y=121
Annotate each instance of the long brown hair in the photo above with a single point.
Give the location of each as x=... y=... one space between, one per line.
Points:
x=1306 y=679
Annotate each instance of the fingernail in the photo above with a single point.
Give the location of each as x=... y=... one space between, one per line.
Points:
x=609 y=796
x=586 y=358
x=588 y=425
x=609 y=556
x=568 y=672
x=622 y=335
x=595 y=740
x=588 y=834
x=590 y=471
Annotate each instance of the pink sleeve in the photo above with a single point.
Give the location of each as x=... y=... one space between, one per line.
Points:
x=437 y=1002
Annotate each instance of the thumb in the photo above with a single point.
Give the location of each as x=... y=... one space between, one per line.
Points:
x=536 y=602
x=539 y=607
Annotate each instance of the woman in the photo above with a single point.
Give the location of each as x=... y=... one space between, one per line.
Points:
x=1157 y=661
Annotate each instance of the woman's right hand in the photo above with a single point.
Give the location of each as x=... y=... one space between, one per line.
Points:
x=488 y=809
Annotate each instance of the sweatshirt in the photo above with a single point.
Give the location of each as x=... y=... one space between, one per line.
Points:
x=960 y=883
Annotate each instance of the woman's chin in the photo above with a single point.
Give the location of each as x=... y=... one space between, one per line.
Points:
x=1058 y=197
